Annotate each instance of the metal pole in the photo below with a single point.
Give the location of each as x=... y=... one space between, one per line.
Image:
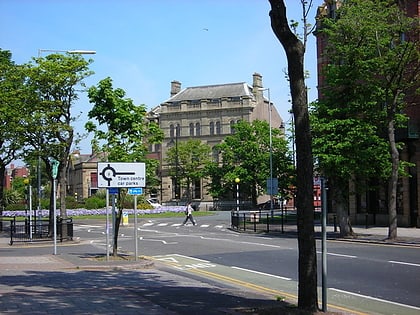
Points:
x=237 y=196
x=136 y=252
x=324 y=244
x=237 y=180
x=30 y=213
x=271 y=153
x=55 y=218
x=39 y=186
x=113 y=220
x=282 y=215
x=107 y=224
x=176 y=165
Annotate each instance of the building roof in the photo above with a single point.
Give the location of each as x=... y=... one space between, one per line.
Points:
x=212 y=92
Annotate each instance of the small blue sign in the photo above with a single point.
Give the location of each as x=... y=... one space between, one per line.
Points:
x=135 y=191
x=113 y=191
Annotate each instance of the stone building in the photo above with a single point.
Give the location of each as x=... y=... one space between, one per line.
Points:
x=207 y=113
x=82 y=177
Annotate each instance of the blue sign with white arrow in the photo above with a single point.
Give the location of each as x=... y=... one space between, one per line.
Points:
x=135 y=191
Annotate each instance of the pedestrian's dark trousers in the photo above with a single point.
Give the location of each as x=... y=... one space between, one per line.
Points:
x=189 y=217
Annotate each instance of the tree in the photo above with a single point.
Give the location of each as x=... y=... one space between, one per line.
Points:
x=12 y=96
x=126 y=137
x=347 y=150
x=48 y=131
x=245 y=154
x=187 y=160
x=295 y=51
x=373 y=65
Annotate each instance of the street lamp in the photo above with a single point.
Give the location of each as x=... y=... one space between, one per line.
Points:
x=74 y=52
x=237 y=180
x=270 y=181
x=40 y=51
x=177 y=192
x=171 y=142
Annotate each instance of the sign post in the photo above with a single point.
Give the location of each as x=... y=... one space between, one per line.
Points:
x=135 y=192
x=54 y=167
x=120 y=175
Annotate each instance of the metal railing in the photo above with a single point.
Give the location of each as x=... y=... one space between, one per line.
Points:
x=264 y=220
x=40 y=230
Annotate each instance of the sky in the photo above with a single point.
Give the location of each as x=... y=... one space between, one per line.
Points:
x=143 y=45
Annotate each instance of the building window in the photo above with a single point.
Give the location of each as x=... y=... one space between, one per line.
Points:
x=191 y=129
x=211 y=128
x=171 y=131
x=218 y=128
x=232 y=127
x=197 y=129
x=215 y=154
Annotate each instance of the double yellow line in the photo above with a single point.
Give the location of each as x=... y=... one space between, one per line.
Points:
x=255 y=287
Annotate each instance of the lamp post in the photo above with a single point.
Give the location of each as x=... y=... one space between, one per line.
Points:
x=176 y=164
x=270 y=181
x=237 y=180
x=171 y=142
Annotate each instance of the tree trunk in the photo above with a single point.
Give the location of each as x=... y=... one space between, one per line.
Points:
x=393 y=182
x=116 y=231
x=63 y=186
x=340 y=204
x=295 y=51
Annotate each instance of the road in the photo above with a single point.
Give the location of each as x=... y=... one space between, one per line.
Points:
x=375 y=275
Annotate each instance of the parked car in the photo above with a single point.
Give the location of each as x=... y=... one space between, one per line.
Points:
x=154 y=203
x=267 y=205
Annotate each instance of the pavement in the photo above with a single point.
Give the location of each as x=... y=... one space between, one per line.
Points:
x=79 y=280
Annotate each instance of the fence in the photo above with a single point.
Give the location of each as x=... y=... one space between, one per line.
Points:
x=40 y=230
x=264 y=221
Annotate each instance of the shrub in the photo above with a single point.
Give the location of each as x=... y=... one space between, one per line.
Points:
x=95 y=203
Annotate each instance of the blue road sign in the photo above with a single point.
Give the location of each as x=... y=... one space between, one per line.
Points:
x=135 y=190
x=113 y=191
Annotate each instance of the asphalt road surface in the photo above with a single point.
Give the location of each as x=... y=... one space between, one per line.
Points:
x=373 y=275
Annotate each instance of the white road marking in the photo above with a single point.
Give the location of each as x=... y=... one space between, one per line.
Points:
x=219 y=226
x=162 y=224
x=168 y=259
x=148 y=224
x=261 y=273
x=205 y=225
x=403 y=263
x=87 y=226
x=188 y=257
x=375 y=299
x=338 y=255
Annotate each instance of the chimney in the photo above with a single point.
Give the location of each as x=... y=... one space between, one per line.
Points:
x=257 y=85
x=175 y=87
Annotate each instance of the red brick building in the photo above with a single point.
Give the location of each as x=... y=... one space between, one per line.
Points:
x=14 y=172
x=370 y=207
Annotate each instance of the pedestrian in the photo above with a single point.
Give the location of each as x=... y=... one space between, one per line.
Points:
x=188 y=212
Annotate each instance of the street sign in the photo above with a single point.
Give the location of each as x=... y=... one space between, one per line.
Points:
x=135 y=191
x=272 y=186
x=121 y=175
x=113 y=191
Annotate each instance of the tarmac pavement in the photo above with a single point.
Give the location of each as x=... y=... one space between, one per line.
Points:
x=34 y=281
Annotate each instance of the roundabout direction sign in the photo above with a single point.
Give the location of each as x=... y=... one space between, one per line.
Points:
x=119 y=175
